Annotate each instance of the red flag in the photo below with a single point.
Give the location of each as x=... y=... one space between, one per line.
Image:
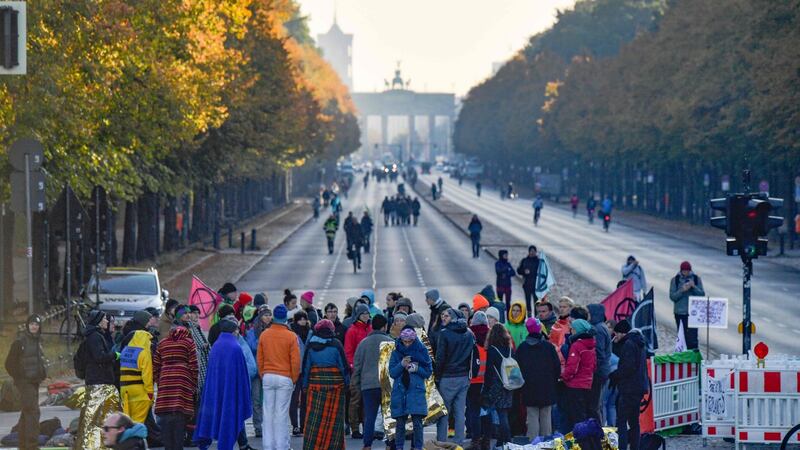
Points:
x=620 y=303
x=206 y=299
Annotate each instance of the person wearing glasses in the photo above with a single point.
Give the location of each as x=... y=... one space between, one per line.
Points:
x=120 y=432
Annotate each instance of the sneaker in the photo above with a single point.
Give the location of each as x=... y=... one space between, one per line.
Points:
x=296 y=431
x=451 y=433
x=357 y=435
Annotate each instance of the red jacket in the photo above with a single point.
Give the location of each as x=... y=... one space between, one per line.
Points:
x=581 y=362
x=355 y=334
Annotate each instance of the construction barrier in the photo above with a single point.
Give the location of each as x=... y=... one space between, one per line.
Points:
x=718 y=400
x=676 y=389
x=750 y=404
x=767 y=404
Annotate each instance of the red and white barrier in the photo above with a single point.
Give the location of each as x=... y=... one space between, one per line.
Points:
x=750 y=404
x=675 y=394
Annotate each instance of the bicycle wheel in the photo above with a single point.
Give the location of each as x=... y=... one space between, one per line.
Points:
x=75 y=329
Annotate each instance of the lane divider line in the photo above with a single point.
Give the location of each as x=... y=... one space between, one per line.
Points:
x=420 y=279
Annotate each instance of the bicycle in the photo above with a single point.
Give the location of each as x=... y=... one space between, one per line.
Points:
x=75 y=320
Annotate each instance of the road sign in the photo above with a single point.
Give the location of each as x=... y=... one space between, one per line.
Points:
x=18 y=192
x=32 y=147
x=752 y=328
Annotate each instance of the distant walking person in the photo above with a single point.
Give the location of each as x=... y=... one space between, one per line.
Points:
x=529 y=270
x=433 y=190
x=685 y=284
x=415 y=207
x=632 y=270
x=505 y=272
x=475 y=227
x=25 y=364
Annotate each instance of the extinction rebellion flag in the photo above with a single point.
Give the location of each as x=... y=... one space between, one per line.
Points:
x=644 y=319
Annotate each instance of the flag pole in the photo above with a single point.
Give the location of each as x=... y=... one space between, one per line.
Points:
x=708 y=334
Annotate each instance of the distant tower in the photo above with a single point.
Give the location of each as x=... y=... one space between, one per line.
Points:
x=337 y=48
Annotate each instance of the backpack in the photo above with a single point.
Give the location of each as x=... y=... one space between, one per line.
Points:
x=652 y=441
x=80 y=360
x=509 y=374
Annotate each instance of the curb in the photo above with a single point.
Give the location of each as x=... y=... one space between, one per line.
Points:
x=269 y=251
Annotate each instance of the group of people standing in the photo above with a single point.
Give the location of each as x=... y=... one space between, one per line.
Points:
x=400 y=210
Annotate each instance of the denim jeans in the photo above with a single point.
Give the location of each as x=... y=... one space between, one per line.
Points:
x=503 y=428
x=454 y=393
x=400 y=435
x=610 y=406
x=372 y=404
x=257 y=398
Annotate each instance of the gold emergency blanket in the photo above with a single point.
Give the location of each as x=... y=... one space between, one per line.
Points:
x=100 y=401
x=610 y=442
x=436 y=408
x=75 y=401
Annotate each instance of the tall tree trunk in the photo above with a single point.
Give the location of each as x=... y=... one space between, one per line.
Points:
x=129 y=236
x=171 y=237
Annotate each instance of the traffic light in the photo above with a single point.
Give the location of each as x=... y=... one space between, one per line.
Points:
x=9 y=37
x=747 y=222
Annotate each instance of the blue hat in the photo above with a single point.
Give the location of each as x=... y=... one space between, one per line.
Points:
x=279 y=314
x=581 y=326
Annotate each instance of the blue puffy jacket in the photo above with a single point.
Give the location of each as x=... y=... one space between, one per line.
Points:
x=324 y=351
x=409 y=399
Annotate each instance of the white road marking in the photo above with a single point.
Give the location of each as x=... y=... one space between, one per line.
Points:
x=420 y=279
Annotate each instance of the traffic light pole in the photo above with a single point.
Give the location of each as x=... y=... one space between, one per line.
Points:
x=747 y=264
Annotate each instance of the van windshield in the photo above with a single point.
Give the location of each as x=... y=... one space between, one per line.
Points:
x=131 y=284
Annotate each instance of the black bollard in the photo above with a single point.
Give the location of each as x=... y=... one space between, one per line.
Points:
x=242 y=236
x=253 y=239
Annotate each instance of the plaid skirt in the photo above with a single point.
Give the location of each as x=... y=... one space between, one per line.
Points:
x=325 y=407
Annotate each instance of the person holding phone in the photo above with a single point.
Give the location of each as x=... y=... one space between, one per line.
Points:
x=684 y=285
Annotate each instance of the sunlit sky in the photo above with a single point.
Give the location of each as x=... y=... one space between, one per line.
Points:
x=443 y=45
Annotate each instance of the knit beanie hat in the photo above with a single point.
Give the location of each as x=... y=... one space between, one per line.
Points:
x=324 y=324
x=479 y=302
x=493 y=312
x=533 y=325
x=686 y=265
x=415 y=320
x=479 y=318
x=623 y=326
x=404 y=301
x=141 y=318
x=432 y=294
x=228 y=325
x=279 y=314
x=408 y=334
x=581 y=326
x=95 y=317
x=308 y=297
x=259 y=299
x=361 y=309
x=352 y=301
x=245 y=298
x=400 y=316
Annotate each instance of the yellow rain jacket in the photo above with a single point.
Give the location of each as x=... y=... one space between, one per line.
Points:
x=136 y=376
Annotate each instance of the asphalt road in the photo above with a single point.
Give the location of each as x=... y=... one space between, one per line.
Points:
x=598 y=256
x=408 y=259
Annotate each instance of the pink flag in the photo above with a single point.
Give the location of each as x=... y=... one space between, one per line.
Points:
x=206 y=299
x=620 y=304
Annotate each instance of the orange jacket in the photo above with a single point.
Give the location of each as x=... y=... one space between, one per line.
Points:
x=557 y=333
x=279 y=352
